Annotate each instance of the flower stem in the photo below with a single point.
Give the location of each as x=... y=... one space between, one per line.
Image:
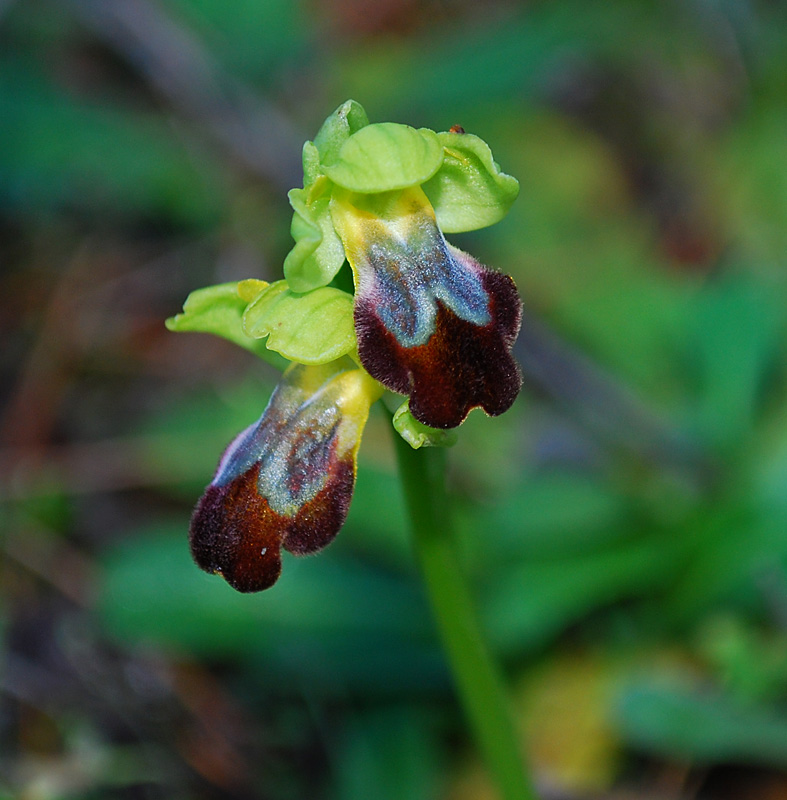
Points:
x=477 y=678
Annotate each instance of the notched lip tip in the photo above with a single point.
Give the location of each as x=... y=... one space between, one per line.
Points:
x=252 y=588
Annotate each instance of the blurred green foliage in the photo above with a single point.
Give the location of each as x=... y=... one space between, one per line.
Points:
x=631 y=510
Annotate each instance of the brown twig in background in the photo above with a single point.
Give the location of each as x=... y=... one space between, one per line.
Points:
x=30 y=413
x=182 y=70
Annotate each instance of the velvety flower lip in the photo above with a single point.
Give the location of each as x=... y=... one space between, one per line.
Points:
x=431 y=322
x=287 y=480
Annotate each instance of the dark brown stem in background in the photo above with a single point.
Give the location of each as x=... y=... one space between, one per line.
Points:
x=176 y=64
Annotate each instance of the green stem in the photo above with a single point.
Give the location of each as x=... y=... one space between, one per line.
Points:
x=478 y=680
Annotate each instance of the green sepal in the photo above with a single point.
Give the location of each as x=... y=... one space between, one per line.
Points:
x=219 y=310
x=318 y=253
x=250 y=288
x=349 y=118
x=386 y=156
x=416 y=434
x=469 y=191
x=312 y=328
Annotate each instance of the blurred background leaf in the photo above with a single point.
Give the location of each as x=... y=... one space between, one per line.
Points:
x=624 y=525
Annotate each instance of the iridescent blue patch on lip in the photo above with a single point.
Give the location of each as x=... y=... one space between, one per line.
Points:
x=406 y=278
x=293 y=442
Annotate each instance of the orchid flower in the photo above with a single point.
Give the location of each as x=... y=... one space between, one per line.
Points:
x=431 y=322
x=426 y=321
x=287 y=480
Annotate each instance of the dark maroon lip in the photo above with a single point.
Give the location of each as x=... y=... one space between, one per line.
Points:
x=462 y=366
x=235 y=533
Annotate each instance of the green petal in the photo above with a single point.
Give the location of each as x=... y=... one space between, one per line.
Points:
x=312 y=328
x=219 y=310
x=311 y=164
x=386 y=156
x=318 y=253
x=469 y=191
x=349 y=118
x=416 y=434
